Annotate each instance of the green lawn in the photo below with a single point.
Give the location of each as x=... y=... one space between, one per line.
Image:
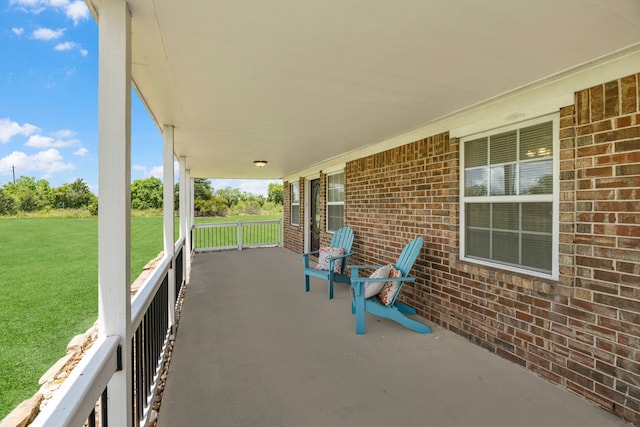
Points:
x=48 y=290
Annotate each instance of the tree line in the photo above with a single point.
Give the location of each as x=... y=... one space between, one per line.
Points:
x=27 y=194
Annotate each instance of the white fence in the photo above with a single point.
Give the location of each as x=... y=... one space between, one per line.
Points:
x=236 y=235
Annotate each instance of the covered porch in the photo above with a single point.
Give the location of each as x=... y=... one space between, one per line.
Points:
x=253 y=349
x=353 y=89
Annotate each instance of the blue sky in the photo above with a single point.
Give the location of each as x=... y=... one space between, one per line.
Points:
x=48 y=99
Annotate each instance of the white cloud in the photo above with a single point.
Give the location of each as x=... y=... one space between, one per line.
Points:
x=45 y=163
x=145 y=172
x=77 y=11
x=66 y=46
x=48 y=34
x=9 y=129
x=27 y=3
x=18 y=31
x=64 y=133
x=39 y=141
x=156 y=171
x=81 y=152
x=33 y=6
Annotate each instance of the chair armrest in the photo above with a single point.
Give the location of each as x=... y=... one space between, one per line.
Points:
x=358 y=282
x=310 y=253
x=340 y=256
x=305 y=257
x=356 y=268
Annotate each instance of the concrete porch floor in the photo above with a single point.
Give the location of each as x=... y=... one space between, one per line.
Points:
x=253 y=349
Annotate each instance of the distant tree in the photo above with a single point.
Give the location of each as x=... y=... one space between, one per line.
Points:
x=202 y=189
x=248 y=207
x=146 y=193
x=176 y=196
x=275 y=193
x=235 y=197
x=216 y=206
x=93 y=207
x=28 y=194
x=232 y=195
x=272 y=208
x=222 y=202
x=75 y=195
x=81 y=193
x=7 y=204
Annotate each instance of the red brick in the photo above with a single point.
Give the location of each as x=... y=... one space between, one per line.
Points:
x=629 y=91
x=582 y=107
x=612 y=99
x=596 y=102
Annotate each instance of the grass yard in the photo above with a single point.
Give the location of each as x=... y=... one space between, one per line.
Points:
x=49 y=290
x=49 y=293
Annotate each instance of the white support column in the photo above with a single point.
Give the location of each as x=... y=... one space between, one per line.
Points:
x=182 y=197
x=184 y=213
x=189 y=188
x=169 y=225
x=114 y=175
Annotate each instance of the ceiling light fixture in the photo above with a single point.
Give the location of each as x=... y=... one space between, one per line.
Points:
x=260 y=163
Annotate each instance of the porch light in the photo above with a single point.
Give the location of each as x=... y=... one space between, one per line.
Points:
x=260 y=163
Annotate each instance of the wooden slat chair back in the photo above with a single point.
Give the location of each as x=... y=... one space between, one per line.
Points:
x=343 y=238
x=395 y=310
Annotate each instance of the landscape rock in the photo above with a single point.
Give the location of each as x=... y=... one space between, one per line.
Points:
x=24 y=414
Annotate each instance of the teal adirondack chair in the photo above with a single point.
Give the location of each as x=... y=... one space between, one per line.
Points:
x=343 y=238
x=395 y=310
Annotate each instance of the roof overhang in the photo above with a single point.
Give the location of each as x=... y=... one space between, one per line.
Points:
x=297 y=83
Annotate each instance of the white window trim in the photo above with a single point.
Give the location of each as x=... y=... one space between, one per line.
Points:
x=333 y=203
x=296 y=184
x=555 y=198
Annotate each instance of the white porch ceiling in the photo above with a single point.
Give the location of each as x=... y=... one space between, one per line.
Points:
x=299 y=82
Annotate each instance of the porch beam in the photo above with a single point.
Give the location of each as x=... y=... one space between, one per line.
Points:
x=114 y=172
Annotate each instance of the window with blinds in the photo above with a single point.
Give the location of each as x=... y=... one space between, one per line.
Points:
x=295 y=203
x=508 y=198
x=335 y=201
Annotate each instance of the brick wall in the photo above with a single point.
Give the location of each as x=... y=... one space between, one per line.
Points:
x=605 y=348
x=393 y=196
x=293 y=234
x=582 y=331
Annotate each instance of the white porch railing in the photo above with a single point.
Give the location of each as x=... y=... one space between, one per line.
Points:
x=236 y=235
x=75 y=401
